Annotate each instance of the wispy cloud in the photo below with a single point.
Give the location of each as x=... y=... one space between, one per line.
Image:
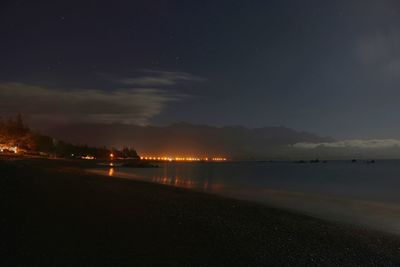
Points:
x=160 y=78
x=130 y=106
x=379 y=51
x=129 y=100
x=375 y=48
x=355 y=143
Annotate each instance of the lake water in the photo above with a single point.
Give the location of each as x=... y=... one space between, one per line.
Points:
x=357 y=193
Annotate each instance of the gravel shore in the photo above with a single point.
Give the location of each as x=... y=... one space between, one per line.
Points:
x=54 y=214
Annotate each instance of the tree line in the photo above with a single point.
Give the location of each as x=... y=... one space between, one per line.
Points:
x=15 y=133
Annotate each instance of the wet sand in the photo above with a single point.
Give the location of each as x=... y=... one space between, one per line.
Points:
x=54 y=214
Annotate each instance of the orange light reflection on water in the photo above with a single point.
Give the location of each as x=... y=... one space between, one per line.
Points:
x=188 y=183
x=175 y=182
x=111 y=172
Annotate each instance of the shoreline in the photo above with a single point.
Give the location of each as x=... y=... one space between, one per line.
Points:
x=62 y=216
x=372 y=215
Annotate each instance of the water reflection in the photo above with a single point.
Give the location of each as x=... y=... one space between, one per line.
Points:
x=188 y=183
x=176 y=181
x=191 y=176
x=342 y=191
x=205 y=186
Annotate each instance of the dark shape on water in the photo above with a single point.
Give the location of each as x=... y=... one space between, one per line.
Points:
x=311 y=161
x=353 y=161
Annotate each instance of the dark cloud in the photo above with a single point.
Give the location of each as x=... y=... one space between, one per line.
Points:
x=134 y=101
x=130 y=106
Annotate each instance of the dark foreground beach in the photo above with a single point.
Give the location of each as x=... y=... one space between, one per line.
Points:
x=54 y=214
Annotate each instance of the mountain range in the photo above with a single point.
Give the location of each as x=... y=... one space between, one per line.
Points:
x=184 y=139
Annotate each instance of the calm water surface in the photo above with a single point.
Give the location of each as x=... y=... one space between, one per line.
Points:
x=359 y=193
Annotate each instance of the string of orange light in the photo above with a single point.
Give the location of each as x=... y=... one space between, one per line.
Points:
x=183 y=158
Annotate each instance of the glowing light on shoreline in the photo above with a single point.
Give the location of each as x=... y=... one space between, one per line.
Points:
x=4 y=148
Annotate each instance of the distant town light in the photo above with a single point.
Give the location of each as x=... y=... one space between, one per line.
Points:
x=8 y=148
x=189 y=159
x=89 y=157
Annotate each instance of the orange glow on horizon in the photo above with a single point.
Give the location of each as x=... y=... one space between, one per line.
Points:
x=188 y=159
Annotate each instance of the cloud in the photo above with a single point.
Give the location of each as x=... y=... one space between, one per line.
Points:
x=356 y=143
x=160 y=78
x=129 y=106
x=379 y=52
x=375 y=48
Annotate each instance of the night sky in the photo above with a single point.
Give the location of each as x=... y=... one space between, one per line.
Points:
x=328 y=67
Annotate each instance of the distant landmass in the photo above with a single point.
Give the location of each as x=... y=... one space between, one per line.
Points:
x=184 y=139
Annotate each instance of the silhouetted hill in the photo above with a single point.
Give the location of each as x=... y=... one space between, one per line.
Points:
x=187 y=139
